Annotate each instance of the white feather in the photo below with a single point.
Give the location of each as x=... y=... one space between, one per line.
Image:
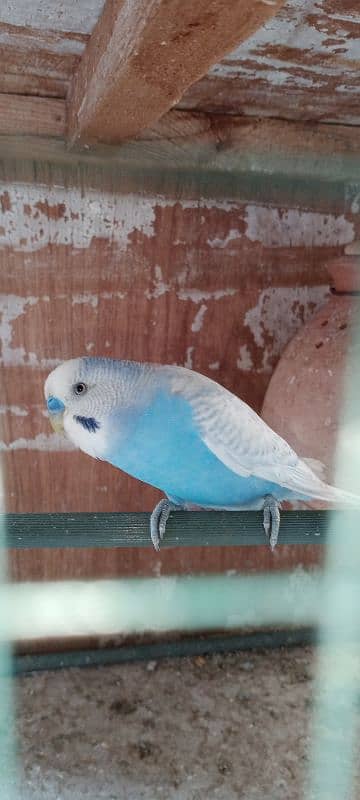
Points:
x=245 y=443
x=92 y=444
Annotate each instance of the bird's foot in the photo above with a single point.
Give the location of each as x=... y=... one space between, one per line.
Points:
x=271 y=520
x=158 y=520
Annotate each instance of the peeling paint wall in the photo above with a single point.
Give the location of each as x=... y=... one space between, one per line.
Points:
x=56 y=15
x=200 y=288
x=34 y=217
x=215 y=285
x=275 y=227
x=302 y=64
x=292 y=67
x=279 y=312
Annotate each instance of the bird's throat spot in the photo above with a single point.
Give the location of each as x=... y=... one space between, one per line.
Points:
x=89 y=423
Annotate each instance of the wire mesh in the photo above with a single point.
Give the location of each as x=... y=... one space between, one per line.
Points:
x=7 y=740
x=330 y=600
x=338 y=669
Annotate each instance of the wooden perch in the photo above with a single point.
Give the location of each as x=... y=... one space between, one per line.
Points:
x=143 y=55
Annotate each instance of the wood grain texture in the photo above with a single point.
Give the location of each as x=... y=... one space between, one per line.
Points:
x=33 y=85
x=212 y=156
x=35 y=61
x=304 y=64
x=142 y=56
x=32 y=116
x=93 y=261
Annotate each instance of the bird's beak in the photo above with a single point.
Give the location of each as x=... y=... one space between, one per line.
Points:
x=57 y=422
x=56 y=410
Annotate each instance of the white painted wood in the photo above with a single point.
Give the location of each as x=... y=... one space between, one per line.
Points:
x=78 y=16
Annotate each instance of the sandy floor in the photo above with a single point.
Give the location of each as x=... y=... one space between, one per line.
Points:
x=222 y=727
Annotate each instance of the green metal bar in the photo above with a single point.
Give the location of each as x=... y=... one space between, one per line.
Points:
x=187 y=529
x=24 y=664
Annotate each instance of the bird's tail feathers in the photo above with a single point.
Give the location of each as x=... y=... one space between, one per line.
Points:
x=331 y=494
x=306 y=481
x=317 y=467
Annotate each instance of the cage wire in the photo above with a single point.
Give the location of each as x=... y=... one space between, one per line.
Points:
x=330 y=600
x=338 y=669
x=7 y=737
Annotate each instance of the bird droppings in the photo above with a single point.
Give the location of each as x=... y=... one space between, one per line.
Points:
x=221 y=727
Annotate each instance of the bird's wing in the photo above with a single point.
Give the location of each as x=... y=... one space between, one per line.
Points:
x=239 y=437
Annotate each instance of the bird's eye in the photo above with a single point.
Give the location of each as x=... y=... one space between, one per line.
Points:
x=80 y=388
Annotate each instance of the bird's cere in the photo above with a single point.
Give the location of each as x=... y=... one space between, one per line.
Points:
x=55 y=406
x=56 y=410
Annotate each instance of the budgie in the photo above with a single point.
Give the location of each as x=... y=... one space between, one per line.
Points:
x=183 y=433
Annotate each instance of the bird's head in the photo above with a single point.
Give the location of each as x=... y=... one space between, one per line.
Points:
x=87 y=390
x=69 y=390
x=83 y=389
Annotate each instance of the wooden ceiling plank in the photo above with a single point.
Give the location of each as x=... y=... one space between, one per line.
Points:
x=38 y=62
x=31 y=116
x=216 y=155
x=143 y=55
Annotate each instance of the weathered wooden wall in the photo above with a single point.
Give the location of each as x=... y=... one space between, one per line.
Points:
x=96 y=261
x=303 y=64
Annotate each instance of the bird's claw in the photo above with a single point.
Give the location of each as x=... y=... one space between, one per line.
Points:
x=158 y=520
x=271 y=520
x=162 y=510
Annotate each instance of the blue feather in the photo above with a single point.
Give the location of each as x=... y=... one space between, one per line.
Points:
x=161 y=445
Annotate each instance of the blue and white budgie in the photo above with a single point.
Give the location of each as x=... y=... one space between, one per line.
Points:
x=184 y=434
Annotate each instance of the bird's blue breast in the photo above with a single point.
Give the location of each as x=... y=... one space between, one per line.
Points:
x=161 y=445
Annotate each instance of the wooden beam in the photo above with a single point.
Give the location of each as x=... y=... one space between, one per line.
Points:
x=237 y=158
x=31 y=116
x=185 y=141
x=143 y=55
x=180 y=139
